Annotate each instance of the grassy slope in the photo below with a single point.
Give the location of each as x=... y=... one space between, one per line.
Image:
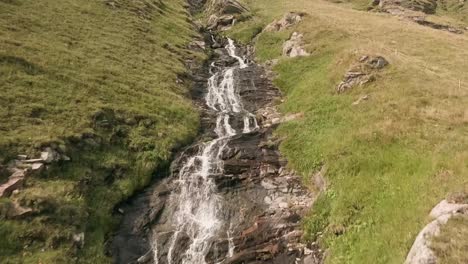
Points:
x=69 y=68
x=391 y=158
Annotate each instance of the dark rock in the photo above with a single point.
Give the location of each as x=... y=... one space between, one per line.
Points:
x=259 y=221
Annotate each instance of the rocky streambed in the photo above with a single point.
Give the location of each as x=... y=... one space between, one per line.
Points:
x=229 y=197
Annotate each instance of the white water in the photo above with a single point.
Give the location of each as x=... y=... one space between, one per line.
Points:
x=198 y=203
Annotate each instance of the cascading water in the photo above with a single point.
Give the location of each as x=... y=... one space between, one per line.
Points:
x=197 y=201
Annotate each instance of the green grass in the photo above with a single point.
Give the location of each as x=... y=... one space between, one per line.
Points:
x=72 y=70
x=389 y=159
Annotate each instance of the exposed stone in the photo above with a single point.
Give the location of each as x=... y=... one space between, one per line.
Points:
x=377 y=62
x=49 y=155
x=288 y=20
x=19 y=212
x=415 y=11
x=310 y=259
x=294 y=46
x=260 y=202
x=223 y=22
x=420 y=252
x=318 y=179
x=444 y=207
x=37 y=166
x=33 y=160
x=79 y=239
x=22 y=157
x=426 y=6
x=361 y=73
x=197 y=44
x=225 y=7
x=12 y=184
x=145 y=258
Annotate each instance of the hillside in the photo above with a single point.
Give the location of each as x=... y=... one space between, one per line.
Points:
x=369 y=128
x=391 y=148
x=100 y=85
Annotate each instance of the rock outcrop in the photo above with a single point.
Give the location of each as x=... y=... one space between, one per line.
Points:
x=421 y=252
x=223 y=13
x=362 y=72
x=415 y=11
x=425 y=6
x=287 y=21
x=294 y=46
x=22 y=167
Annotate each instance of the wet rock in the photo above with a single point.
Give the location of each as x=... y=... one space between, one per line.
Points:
x=294 y=46
x=260 y=202
x=288 y=20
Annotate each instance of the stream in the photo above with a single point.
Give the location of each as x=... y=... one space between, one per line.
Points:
x=229 y=197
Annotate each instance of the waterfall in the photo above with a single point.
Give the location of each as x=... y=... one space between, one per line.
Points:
x=196 y=200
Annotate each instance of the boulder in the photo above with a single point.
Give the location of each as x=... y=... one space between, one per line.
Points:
x=293 y=47
x=420 y=252
x=444 y=207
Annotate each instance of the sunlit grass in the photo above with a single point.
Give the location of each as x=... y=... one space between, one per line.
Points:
x=66 y=67
x=389 y=159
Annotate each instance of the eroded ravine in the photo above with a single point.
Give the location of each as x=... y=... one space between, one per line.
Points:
x=196 y=203
x=229 y=198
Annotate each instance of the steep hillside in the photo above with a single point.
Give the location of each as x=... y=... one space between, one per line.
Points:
x=101 y=85
x=392 y=142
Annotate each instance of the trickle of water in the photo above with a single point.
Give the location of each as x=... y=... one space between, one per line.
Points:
x=231 y=48
x=197 y=202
